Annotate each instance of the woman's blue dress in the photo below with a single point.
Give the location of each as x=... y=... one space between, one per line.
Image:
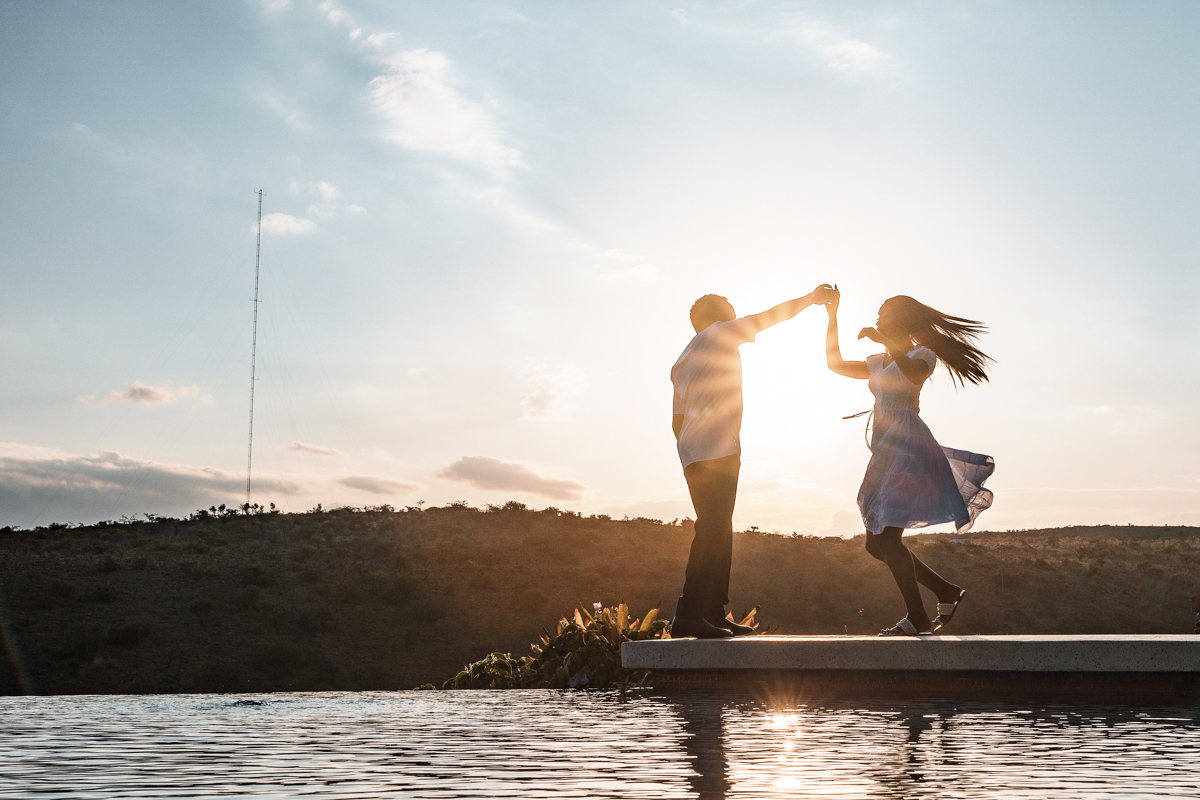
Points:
x=912 y=481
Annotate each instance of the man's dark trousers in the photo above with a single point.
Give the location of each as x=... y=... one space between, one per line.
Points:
x=713 y=486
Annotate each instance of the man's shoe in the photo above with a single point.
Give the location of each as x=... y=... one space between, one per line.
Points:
x=735 y=629
x=697 y=627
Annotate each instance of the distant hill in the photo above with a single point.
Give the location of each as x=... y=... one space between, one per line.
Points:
x=1091 y=532
x=383 y=599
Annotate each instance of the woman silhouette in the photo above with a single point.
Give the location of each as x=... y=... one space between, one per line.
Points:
x=911 y=480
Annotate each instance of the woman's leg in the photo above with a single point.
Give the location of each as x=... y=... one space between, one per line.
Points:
x=873 y=547
x=946 y=591
x=902 y=563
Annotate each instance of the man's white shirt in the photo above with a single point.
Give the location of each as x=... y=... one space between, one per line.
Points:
x=708 y=391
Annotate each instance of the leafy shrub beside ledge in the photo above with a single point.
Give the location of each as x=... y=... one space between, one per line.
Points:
x=585 y=652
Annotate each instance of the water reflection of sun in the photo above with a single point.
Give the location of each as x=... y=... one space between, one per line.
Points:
x=791 y=757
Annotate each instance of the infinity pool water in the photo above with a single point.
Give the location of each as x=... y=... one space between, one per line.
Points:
x=585 y=744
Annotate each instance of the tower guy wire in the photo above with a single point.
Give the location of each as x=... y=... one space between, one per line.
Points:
x=253 y=349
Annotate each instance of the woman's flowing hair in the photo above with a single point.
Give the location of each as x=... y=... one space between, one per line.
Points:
x=951 y=338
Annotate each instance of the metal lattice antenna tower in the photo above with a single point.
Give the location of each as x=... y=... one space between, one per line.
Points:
x=253 y=349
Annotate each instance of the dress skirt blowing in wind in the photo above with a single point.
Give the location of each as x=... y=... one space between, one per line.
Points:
x=911 y=480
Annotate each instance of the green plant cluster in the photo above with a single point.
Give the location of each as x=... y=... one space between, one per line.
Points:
x=584 y=653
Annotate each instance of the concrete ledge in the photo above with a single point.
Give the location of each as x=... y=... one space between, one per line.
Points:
x=1157 y=654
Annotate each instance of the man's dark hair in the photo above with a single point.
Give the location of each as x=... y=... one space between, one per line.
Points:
x=710 y=308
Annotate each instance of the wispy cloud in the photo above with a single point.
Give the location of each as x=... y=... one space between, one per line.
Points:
x=368 y=483
x=425 y=113
x=495 y=475
x=334 y=13
x=83 y=136
x=837 y=50
x=285 y=223
x=326 y=190
x=150 y=395
x=325 y=199
x=279 y=104
x=314 y=449
x=617 y=265
x=323 y=190
x=500 y=202
x=551 y=389
x=376 y=41
x=423 y=109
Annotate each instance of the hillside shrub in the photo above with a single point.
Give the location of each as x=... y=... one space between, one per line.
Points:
x=584 y=653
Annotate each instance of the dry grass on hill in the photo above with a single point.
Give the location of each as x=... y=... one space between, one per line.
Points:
x=376 y=599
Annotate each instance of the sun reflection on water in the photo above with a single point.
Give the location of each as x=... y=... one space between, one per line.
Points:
x=586 y=745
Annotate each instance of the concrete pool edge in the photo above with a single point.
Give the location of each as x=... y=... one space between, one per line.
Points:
x=1110 y=666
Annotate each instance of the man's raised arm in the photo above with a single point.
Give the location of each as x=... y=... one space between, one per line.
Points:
x=785 y=311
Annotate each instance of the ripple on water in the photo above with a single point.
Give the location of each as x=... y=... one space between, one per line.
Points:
x=595 y=744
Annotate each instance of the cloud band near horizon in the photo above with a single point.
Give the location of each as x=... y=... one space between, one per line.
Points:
x=37 y=482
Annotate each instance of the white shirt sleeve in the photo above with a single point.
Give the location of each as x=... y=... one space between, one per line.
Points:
x=742 y=329
x=923 y=353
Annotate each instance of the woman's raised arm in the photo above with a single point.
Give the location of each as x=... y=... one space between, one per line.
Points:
x=833 y=350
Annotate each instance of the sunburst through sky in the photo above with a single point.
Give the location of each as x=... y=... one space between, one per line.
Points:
x=484 y=225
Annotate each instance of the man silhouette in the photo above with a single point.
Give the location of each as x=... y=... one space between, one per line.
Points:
x=707 y=420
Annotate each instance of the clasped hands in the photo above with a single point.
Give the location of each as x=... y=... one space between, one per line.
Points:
x=825 y=294
x=828 y=296
x=831 y=298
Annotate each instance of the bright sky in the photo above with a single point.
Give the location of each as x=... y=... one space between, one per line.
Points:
x=484 y=224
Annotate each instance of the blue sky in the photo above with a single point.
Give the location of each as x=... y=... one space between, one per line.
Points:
x=485 y=222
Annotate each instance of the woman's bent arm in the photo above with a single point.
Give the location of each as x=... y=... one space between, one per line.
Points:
x=914 y=369
x=833 y=351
